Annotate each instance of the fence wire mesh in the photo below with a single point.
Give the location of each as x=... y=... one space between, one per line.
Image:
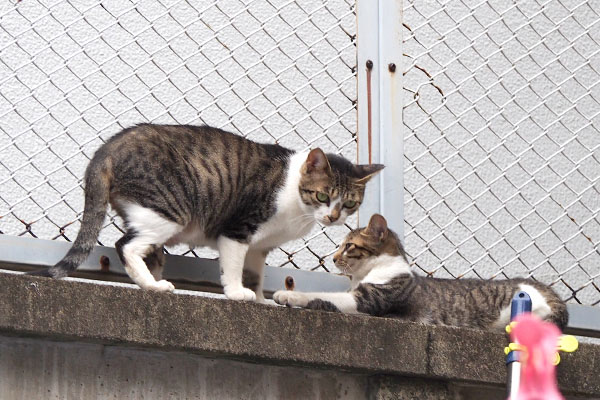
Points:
x=501 y=105
x=72 y=74
x=502 y=160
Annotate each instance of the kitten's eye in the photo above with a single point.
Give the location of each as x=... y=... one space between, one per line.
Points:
x=322 y=197
x=349 y=246
x=349 y=204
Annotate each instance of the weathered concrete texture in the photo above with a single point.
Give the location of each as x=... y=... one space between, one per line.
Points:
x=403 y=388
x=477 y=356
x=41 y=369
x=262 y=333
x=393 y=388
x=249 y=331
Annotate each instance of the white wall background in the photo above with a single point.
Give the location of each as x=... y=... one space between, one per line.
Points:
x=73 y=73
x=502 y=148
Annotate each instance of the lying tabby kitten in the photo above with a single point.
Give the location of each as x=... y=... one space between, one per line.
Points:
x=206 y=187
x=383 y=285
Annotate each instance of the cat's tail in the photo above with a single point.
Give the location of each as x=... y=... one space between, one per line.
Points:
x=98 y=178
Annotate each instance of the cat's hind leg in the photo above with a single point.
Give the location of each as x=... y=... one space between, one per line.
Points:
x=155 y=261
x=232 y=254
x=146 y=231
x=254 y=272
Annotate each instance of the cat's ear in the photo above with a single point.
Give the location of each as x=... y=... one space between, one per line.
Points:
x=378 y=227
x=365 y=172
x=317 y=162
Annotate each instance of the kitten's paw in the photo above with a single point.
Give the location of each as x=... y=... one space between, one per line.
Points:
x=290 y=298
x=162 y=286
x=243 y=294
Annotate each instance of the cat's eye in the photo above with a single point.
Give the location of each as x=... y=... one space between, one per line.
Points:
x=350 y=204
x=322 y=197
x=349 y=246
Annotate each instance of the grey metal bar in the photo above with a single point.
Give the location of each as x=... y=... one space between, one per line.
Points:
x=39 y=253
x=583 y=320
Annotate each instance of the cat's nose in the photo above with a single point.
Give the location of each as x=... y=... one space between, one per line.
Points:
x=335 y=213
x=335 y=259
x=333 y=218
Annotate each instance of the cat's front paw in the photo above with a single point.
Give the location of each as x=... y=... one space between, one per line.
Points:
x=162 y=286
x=243 y=294
x=290 y=298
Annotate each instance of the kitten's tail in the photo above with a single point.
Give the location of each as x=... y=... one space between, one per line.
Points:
x=97 y=187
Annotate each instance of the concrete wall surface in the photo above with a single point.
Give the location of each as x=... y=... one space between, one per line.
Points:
x=41 y=369
x=35 y=368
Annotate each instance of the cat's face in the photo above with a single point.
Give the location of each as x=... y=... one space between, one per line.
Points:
x=364 y=244
x=332 y=188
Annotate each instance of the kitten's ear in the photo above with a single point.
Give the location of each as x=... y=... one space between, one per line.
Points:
x=367 y=171
x=317 y=161
x=378 y=227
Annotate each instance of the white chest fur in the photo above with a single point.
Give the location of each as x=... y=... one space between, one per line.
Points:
x=293 y=219
x=380 y=270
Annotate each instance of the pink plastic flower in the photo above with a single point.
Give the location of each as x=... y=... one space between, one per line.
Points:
x=538 y=373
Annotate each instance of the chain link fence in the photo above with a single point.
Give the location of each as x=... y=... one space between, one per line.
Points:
x=502 y=148
x=501 y=105
x=72 y=74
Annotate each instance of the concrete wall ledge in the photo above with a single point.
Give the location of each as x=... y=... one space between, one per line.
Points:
x=89 y=312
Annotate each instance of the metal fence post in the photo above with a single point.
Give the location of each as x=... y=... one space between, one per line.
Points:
x=520 y=304
x=380 y=136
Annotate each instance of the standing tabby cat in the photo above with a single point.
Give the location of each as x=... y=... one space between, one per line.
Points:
x=206 y=187
x=383 y=285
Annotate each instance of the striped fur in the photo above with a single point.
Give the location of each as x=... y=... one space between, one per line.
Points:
x=383 y=285
x=206 y=187
x=98 y=181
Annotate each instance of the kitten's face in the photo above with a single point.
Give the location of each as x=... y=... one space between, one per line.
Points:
x=364 y=244
x=332 y=188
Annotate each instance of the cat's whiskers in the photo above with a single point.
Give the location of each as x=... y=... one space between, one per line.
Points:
x=343 y=267
x=301 y=216
x=306 y=224
x=303 y=224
